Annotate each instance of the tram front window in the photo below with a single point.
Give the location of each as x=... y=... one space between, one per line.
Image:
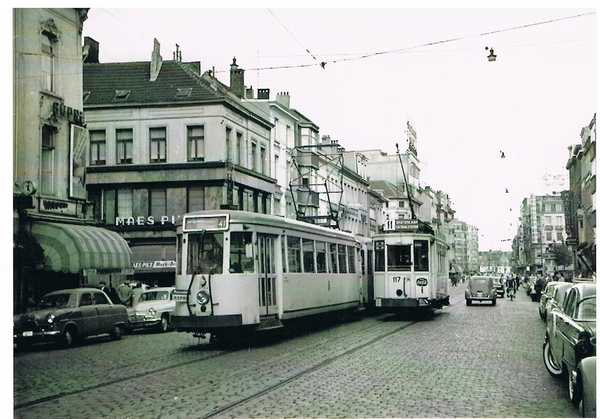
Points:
x=399 y=257
x=240 y=257
x=205 y=253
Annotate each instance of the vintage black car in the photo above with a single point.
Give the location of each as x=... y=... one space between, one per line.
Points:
x=571 y=335
x=480 y=288
x=68 y=316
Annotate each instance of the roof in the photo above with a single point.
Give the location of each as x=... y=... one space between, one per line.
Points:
x=121 y=85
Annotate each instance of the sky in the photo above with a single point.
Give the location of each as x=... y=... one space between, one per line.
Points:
x=361 y=73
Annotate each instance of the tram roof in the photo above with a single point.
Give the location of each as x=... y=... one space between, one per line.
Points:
x=237 y=216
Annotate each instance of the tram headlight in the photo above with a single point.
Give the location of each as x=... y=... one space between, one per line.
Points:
x=202 y=297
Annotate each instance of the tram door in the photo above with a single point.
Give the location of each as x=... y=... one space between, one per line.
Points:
x=267 y=275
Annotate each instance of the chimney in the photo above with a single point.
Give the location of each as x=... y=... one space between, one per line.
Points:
x=156 y=61
x=283 y=98
x=236 y=79
x=91 y=50
x=263 y=93
x=250 y=93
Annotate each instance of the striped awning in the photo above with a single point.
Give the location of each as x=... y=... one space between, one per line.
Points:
x=72 y=248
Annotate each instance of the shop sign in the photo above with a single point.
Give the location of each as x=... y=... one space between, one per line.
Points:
x=155 y=265
x=57 y=206
x=147 y=221
x=74 y=116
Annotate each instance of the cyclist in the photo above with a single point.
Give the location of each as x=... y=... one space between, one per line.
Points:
x=510 y=287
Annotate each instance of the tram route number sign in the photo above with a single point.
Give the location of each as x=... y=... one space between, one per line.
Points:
x=206 y=223
x=401 y=225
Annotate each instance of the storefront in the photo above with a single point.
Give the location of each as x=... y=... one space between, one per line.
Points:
x=75 y=255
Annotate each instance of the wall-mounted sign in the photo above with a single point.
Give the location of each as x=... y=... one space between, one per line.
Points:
x=58 y=206
x=147 y=221
x=155 y=265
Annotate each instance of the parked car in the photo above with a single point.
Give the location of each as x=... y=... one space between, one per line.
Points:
x=68 y=316
x=480 y=288
x=153 y=309
x=586 y=386
x=571 y=335
x=499 y=285
x=552 y=297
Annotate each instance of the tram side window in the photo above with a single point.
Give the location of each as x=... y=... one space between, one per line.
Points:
x=333 y=258
x=240 y=253
x=321 y=255
x=399 y=257
x=294 y=254
x=308 y=252
x=205 y=253
x=342 y=258
x=351 y=260
x=421 y=255
x=379 y=247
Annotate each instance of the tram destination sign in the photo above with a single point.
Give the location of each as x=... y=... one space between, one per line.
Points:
x=205 y=222
x=401 y=225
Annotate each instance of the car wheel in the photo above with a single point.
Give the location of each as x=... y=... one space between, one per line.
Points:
x=494 y=302
x=575 y=390
x=469 y=302
x=69 y=337
x=553 y=368
x=116 y=333
x=164 y=324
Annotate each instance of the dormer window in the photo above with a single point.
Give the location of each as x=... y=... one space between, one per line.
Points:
x=184 y=92
x=122 y=94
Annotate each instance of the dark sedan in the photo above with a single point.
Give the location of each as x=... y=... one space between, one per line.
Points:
x=571 y=335
x=68 y=316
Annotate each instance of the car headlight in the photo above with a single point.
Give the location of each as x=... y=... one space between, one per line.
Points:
x=152 y=311
x=203 y=297
x=50 y=318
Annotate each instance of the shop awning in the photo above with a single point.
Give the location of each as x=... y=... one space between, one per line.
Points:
x=72 y=248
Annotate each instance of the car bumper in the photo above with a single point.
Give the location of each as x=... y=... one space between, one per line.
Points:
x=139 y=322
x=28 y=336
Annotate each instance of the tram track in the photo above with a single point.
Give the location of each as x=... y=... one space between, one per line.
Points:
x=281 y=358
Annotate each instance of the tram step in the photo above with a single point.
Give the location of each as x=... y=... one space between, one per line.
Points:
x=267 y=323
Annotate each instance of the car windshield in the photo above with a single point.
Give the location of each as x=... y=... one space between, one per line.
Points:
x=586 y=310
x=58 y=301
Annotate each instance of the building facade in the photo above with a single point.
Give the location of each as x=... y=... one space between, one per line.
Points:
x=57 y=243
x=580 y=201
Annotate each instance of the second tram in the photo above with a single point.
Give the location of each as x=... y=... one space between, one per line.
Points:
x=239 y=271
x=411 y=268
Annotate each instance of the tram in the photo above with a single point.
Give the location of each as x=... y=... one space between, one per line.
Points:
x=241 y=272
x=411 y=268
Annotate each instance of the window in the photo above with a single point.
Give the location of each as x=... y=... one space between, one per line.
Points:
x=253 y=157
x=342 y=258
x=97 y=147
x=100 y=299
x=263 y=160
x=293 y=245
x=158 y=202
x=333 y=258
x=195 y=199
x=125 y=203
x=195 y=137
x=47 y=63
x=86 y=300
x=238 y=148
x=240 y=259
x=379 y=247
x=47 y=183
x=205 y=253
x=421 y=250
x=321 y=257
x=351 y=260
x=230 y=156
x=399 y=257
x=124 y=146
x=158 y=145
x=308 y=252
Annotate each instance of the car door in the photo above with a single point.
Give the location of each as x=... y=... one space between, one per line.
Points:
x=565 y=327
x=87 y=323
x=105 y=316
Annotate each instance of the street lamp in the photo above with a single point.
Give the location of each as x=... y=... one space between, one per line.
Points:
x=492 y=56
